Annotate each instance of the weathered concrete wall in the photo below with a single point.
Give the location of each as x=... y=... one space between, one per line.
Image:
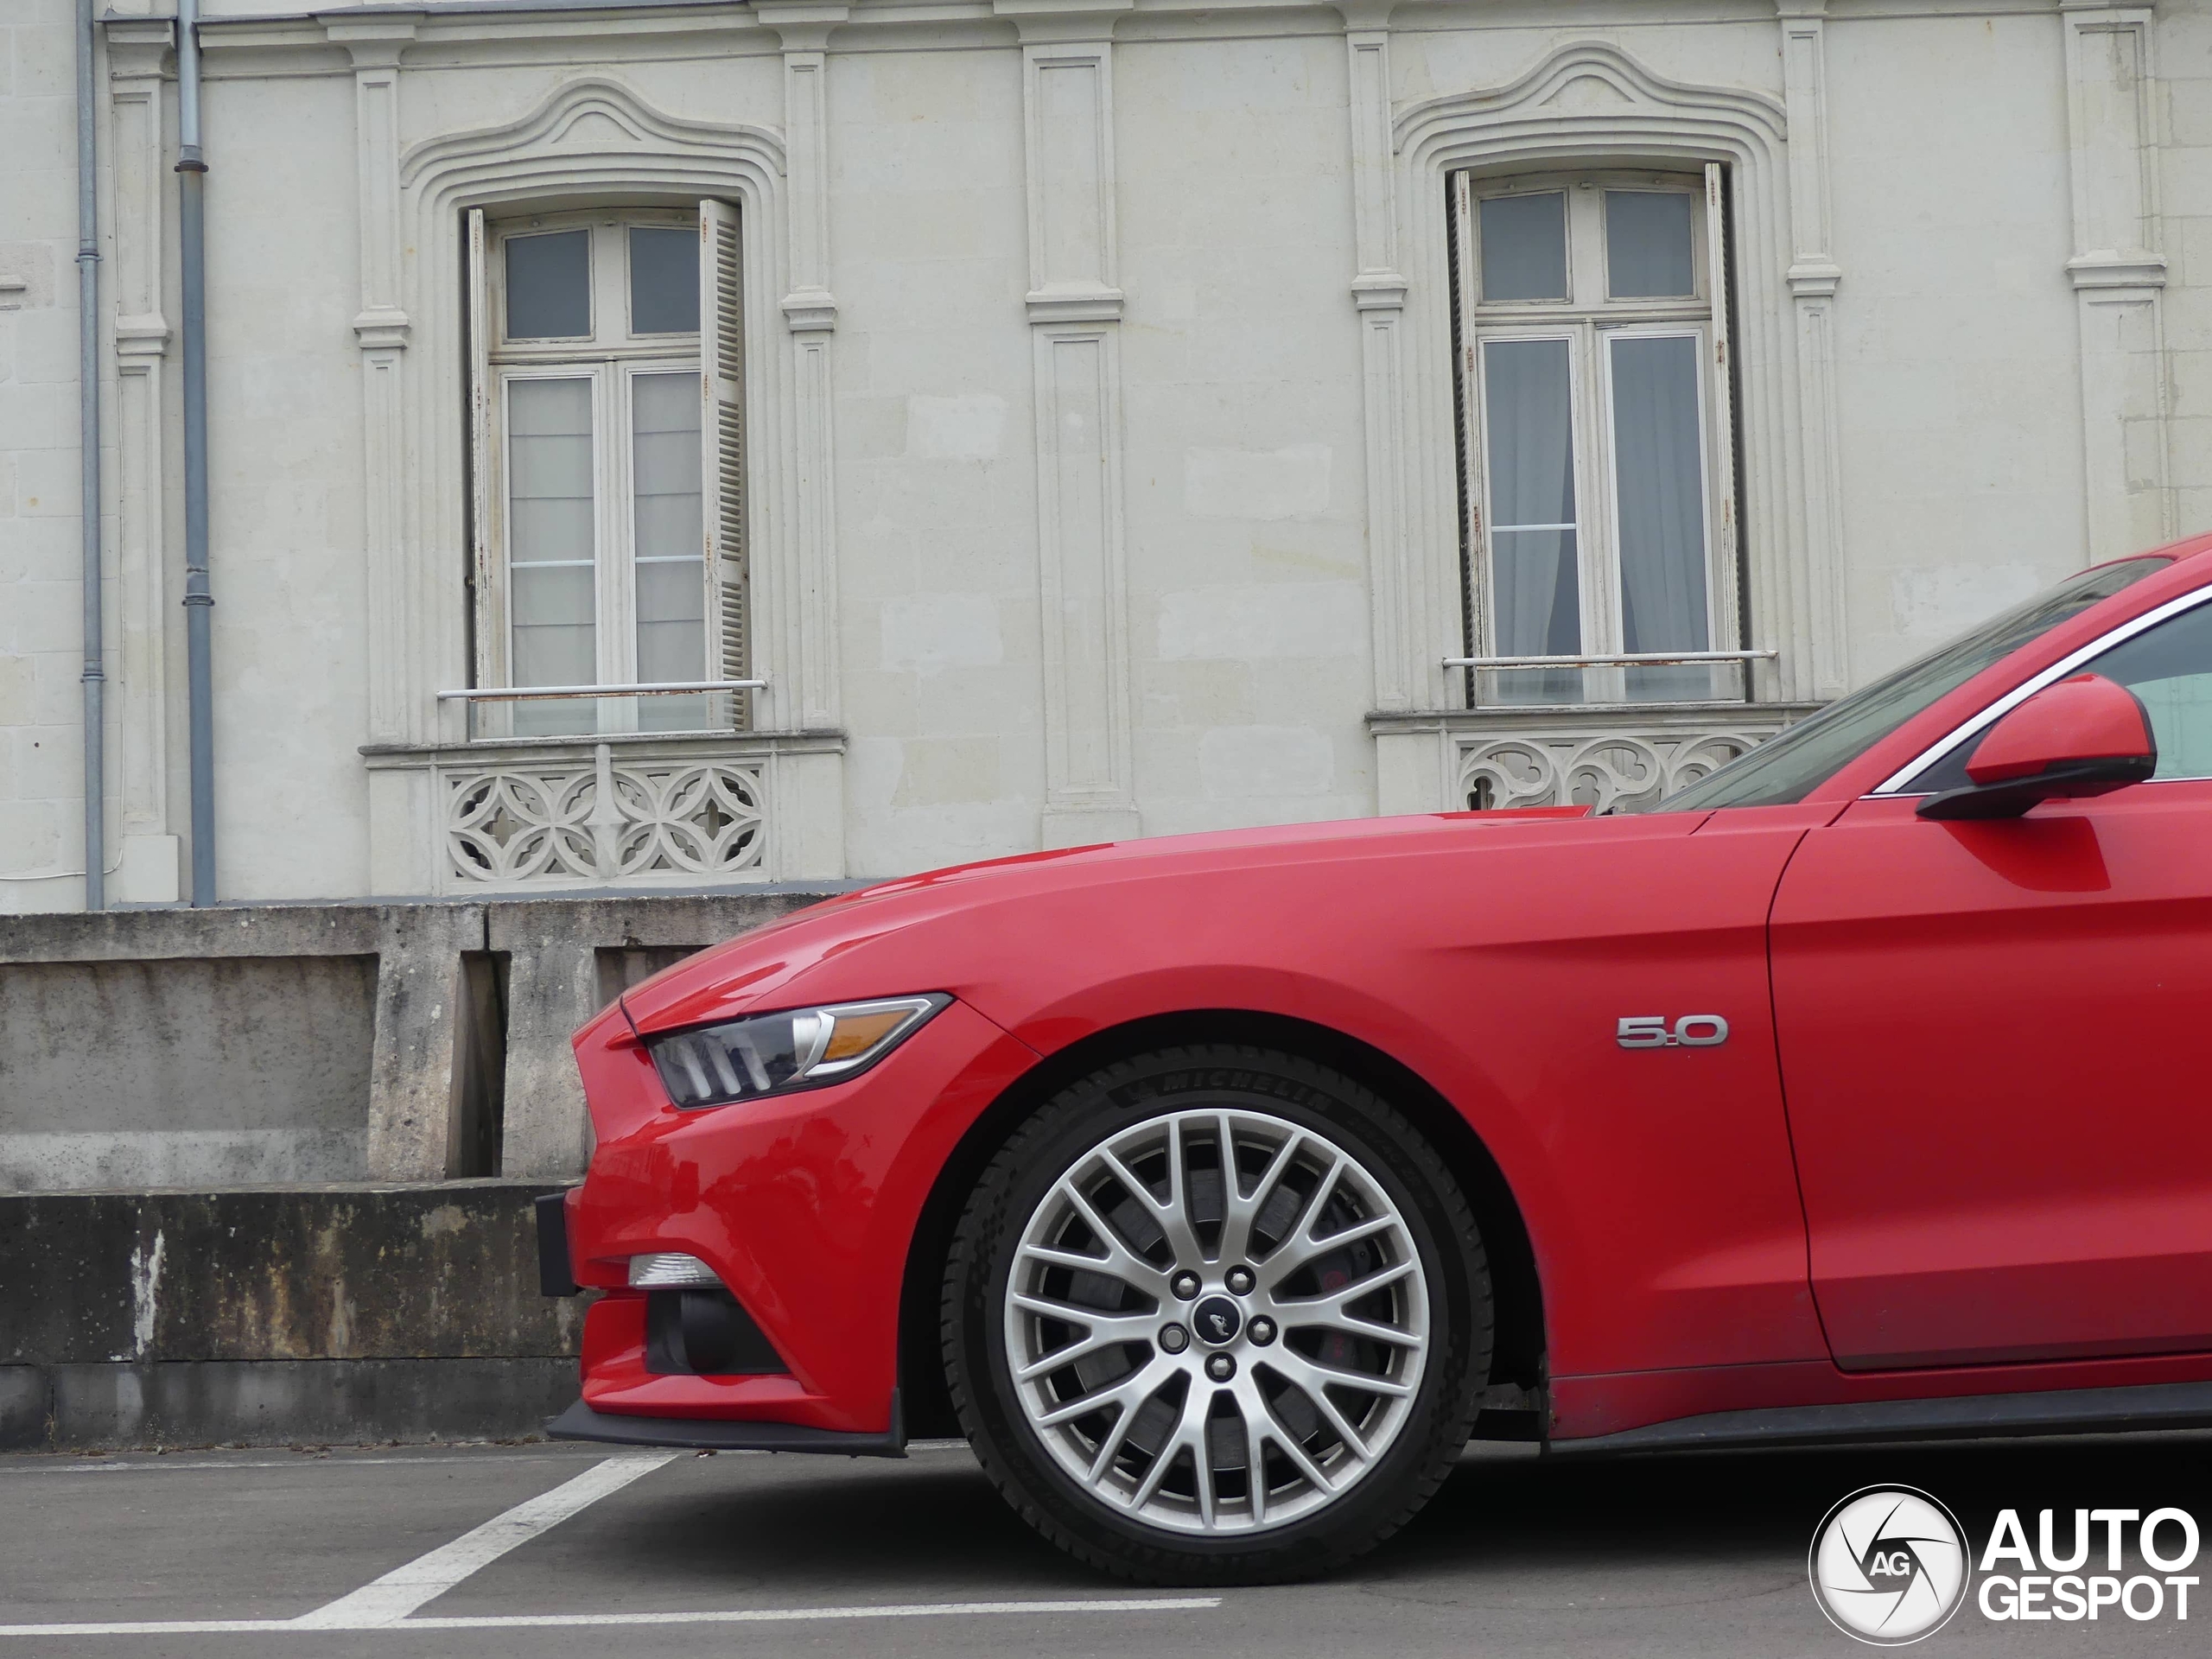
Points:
x=213 y=1069
x=335 y=1312
x=320 y=1043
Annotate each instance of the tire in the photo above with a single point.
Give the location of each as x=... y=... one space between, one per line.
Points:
x=1099 y=1401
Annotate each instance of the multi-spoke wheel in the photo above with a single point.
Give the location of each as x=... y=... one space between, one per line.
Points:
x=1217 y=1314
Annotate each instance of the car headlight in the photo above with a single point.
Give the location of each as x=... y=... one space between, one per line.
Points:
x=777 y=1053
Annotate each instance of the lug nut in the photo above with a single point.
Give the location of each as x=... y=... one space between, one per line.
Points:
x=1174 y=1339
x=1240 y=1281
x=1221 y=1368
x=1184 y=1284
x=1262 y=1331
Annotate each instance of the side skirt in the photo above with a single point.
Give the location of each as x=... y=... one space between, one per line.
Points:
x=2066 y=1411
x=581 y=1422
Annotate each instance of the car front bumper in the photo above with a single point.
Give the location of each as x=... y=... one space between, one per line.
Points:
x=804 y=1206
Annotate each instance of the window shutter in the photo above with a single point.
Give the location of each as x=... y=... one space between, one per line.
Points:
x=483 y=450
x=721 y=433
x=1726 y=561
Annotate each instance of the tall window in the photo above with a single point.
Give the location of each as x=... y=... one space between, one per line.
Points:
x=1593 y=328
x=609 y=461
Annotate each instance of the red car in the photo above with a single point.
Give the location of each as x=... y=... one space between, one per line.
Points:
x=1216 y=1188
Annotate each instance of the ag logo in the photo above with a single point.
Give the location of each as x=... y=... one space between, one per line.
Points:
x=1888 y=1565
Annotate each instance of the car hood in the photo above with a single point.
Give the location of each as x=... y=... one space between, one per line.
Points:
x=957 y=929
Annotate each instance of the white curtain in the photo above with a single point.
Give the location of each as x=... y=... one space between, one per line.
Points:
x=1527 y=414
x=669 y=546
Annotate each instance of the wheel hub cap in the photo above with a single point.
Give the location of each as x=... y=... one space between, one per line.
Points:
x=1218 y=1320
x=1264 y=1393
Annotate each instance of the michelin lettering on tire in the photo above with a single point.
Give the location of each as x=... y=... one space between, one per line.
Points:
x=1888 y=1565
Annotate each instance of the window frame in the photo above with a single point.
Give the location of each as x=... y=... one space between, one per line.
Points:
x=610 y=359
x=1592 y=320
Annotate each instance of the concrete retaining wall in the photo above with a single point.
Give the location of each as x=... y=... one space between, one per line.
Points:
x=324 y=1043
x=331 y=1314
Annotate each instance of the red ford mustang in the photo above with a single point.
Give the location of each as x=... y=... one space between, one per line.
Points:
x=1216 y=1188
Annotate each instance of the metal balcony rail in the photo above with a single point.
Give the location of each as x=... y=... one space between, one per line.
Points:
x=658 y=689
x=1618 y=659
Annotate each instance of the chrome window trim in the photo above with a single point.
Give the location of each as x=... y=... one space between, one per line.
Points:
x=1895 y=783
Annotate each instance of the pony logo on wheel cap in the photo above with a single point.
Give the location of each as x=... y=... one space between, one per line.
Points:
x=1217 y=1319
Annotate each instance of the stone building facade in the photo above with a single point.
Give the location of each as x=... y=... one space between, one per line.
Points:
x=1050 y=421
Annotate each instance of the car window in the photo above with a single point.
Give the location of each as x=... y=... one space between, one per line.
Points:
x=2169 y=667
x=1786 y=768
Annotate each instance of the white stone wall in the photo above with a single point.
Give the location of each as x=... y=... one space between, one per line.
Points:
x=41 y=700
x=1974 y=332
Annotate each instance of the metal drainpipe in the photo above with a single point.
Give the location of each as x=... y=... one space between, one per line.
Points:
x=88 y=438
x=198 y=598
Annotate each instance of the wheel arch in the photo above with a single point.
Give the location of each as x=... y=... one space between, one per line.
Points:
x=1517 y=1355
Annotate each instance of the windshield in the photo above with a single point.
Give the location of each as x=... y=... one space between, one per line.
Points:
x=1786 y=768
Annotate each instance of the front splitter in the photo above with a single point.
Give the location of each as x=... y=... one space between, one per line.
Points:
x=581 y=1422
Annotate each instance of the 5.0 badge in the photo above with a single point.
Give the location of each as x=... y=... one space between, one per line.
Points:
x=1653 y=1030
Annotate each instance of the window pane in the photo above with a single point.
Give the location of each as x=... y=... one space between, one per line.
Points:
x=1659 y=473
x=671 y=589
x=1524 y=247
x=2169 y=667
x=1786 y=767
x=548 y=286
x=663 y=280
x=1528 y=416
x=550 y=545
x=1648 y=244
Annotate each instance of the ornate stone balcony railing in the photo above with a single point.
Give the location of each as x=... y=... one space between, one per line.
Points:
x=620 y=812
x=1611 y=759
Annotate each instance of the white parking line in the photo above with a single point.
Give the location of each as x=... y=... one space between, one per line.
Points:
x=404 y=1589
x=518 y=1621
x=389 y=1603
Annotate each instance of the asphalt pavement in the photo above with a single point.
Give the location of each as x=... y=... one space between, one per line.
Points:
x=556 y=1550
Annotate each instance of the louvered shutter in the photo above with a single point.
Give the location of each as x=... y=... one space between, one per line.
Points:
x=483 y=452
x=721 y=433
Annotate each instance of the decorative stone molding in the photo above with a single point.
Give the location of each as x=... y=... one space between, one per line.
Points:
x=2118 y=274
x=595 y=135
x=628 y=812
x=1584 y=98
x=1074 y=307
x=1611 y=759
x=804 y=30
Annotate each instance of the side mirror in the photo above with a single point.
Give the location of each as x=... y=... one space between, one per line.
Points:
x=2085 y=735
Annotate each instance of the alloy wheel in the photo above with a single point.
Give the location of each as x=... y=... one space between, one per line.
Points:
x=1216 y=1321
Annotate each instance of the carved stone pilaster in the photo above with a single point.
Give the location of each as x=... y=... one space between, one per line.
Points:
x=808 y=565
x=1814 y=275
x=382 y=329
x=1074 y=306
x=2118 y=276
x=148 y=854
x=1405 y=675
